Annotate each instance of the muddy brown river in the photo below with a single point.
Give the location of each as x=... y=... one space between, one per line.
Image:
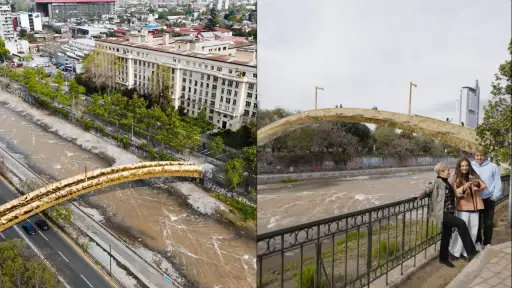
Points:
x=304 y=202
x=210 y=253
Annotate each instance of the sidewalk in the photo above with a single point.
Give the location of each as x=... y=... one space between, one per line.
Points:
x=492 y=268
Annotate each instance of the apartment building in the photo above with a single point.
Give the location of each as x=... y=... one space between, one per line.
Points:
x=29 y=21
x=6 y=23
x=218 y=80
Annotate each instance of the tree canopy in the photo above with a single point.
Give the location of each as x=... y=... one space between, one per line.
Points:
x=495 y=133
x=21 y=268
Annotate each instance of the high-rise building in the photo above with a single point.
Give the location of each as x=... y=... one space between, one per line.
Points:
x=219 y=4
x=226 y=4
x=468 y=106
x=62 y=10
x=29 y=21
x=211 y=75
x=6 y=23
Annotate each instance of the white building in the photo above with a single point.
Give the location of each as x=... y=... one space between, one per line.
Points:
x=79 y=48
x=468 y=106
x=6 y=25
x=219 y=4
x=224 y=84
x=226 y=4
x=30 y=21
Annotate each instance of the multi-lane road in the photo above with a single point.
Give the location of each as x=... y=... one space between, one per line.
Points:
x=63 y=256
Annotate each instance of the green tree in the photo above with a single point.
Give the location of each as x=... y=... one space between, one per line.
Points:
x=18 y=268
x=384 y=137
x=22 y=33
x=202 y=116
x=235 y=172
x=60 y=213
x=253 y=33
x=213 y=20
x=495 y=132
x=216 y=145
x=250 y=158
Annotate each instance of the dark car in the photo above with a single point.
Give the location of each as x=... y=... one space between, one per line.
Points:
x=42 y=224
x=29 y=228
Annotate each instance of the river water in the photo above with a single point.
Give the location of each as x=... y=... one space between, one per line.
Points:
x=210 y=253
x=303 y=202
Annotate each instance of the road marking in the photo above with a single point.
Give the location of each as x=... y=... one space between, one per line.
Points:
x=28 y=220
x=63 y=257
x=86 y=280
x=43 y=236
x=39 y=254
x=2 y=235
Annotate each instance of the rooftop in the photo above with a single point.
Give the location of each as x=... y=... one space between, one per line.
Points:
x=167 y=49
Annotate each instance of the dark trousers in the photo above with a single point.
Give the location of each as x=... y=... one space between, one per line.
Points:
x=451 y=221
x=486 y=222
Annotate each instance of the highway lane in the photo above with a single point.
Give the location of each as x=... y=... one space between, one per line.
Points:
x=69 y=263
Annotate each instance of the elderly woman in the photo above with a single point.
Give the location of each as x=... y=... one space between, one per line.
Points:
x=442 y=209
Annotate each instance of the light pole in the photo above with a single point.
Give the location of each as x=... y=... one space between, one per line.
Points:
x=410 y=95
x=316 y=95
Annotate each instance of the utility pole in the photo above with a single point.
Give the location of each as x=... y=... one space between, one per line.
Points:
x=410 y=95
x=110 y=259
x=316 y=95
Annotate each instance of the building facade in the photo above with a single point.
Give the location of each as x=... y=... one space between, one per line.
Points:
x=223 y=84
x=6 y=23
x=468 y=106
x=62 y=10
x=30 y=21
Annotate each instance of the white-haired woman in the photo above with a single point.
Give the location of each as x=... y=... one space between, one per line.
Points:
x=442 y=210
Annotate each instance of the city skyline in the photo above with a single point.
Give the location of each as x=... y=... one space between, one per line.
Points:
x=436 y=55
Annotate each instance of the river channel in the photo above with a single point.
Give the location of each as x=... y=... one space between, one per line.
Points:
x=211 y=254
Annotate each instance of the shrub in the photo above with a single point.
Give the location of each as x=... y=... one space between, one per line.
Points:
x=125 y=141
x=308 y=277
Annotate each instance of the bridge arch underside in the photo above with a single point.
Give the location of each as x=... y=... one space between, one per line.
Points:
x=452 y=134
x=43 y=198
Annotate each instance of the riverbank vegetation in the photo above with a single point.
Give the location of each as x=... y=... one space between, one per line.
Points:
x=22 y=268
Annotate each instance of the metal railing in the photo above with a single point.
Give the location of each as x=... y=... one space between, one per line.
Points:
x=350 y=250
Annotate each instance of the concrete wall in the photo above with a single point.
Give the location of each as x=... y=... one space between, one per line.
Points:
x=278 y=164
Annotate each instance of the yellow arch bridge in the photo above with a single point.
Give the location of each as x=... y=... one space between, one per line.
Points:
x=25 y=206
x=452 y=134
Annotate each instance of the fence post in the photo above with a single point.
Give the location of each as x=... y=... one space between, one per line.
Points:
x=369 y=251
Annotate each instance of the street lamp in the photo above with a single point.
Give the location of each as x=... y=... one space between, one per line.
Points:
x=316 y=95
x=410 y=95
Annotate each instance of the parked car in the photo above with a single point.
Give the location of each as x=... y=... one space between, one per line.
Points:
x=29 y=228
x=42 y=224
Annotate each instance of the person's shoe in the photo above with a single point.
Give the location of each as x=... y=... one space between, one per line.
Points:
x=447 y=263
x=471 y=256
x=478 y=247
x=453 y=257
x=487 y=246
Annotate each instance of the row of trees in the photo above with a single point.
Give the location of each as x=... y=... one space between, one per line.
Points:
x=164 y=125
x=20 y=267
x=349 y=138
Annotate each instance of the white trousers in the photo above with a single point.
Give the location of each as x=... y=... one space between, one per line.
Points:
x=471 y=219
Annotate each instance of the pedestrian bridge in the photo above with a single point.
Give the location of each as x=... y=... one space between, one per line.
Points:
x=452 y=134
x=43 y=198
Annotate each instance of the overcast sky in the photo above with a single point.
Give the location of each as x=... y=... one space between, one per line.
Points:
x=364 y=53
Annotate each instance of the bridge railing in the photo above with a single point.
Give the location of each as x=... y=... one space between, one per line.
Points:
x=350 y=250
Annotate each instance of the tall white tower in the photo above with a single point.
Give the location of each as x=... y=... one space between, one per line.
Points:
x=468 y=106
x=219 y=4
x=226 y=4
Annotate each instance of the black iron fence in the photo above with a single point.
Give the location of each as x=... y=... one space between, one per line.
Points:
x=350 y=250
